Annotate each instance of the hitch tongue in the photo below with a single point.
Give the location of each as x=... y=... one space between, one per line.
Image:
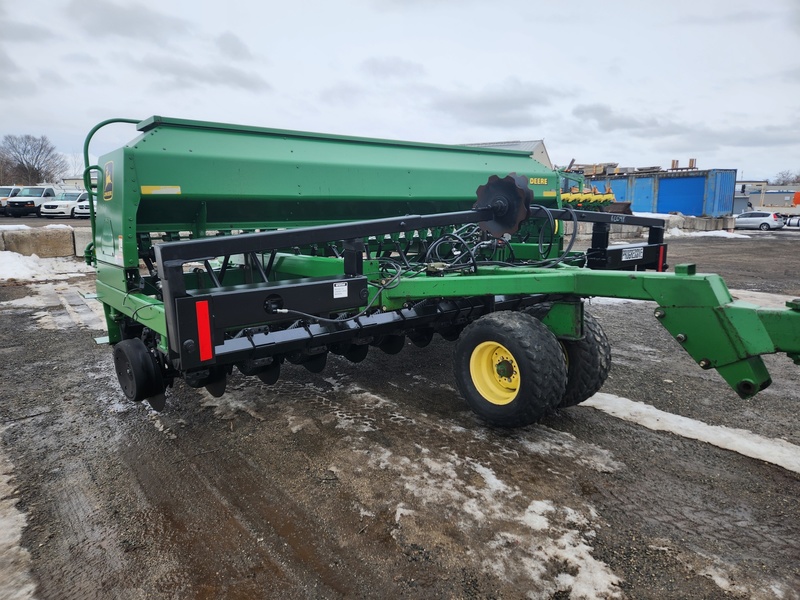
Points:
x=747 y=377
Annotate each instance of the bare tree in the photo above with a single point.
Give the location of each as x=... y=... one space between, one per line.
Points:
x=6 y=170
x=32 y=159
x=785 y=178
x=75 y=163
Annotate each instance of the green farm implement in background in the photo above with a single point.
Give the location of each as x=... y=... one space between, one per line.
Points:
x=223 y=246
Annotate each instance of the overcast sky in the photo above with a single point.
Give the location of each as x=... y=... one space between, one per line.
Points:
x=630 y=81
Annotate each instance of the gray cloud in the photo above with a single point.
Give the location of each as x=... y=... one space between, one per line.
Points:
x=792 y=75
x=133 y=20
x=392 y=67
x=232 y=47
x=51 y=77
x=183 y=74
x=7 y=65
x=687 y=137
x=25 y=32
x=607 y=119
x=510 y=103
x=80 y=58
x=750 y=137
x=17 y=82
x=344 y=93
x=721 y=18
x=795 y=18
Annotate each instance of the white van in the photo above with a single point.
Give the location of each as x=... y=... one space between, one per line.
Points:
x=30 y=199
x=6 y=192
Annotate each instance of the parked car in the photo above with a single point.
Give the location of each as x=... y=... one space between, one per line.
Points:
x=82 y=207
x=6 y=192
x=63 y=205
x=756 y=219
x=29 y=200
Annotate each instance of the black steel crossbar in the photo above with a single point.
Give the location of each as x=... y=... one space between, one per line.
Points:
x=207 y=248
x=588 y=216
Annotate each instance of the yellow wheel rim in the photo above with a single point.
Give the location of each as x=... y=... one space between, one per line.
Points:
x=494 y=372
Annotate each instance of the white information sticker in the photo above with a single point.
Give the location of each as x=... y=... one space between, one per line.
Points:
x=340 y=289
x=632 y=253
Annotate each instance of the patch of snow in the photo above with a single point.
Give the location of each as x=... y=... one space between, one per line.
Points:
x=763 y=299
x=232 y=402
x=401 y=511
x=774 y=451
x=554 y=556
x=13 y=227
x=605 y=300
x=534 y=516
x=550 y=442
x=15 y=266
x=15 y=578
x=677 y=232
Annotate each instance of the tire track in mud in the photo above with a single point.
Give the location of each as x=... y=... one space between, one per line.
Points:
x=714 y=529
x=370 y=482
x=428 y=470
x=218 y=542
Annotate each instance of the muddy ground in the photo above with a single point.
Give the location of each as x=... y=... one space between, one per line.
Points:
x=373 y=480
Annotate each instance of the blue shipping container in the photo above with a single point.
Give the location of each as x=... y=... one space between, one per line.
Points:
x=693 y=193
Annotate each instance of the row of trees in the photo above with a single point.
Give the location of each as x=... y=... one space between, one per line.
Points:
x=785 y=178
x=27 y=159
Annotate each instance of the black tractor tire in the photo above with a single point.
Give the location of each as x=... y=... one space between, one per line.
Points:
x=509 y=368
x=588 y=360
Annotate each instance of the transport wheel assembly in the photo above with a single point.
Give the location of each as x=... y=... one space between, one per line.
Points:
x=510 y=368
x=588 y=360
x=588 y=363
x=138 y=374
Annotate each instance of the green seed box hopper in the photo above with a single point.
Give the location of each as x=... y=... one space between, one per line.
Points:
x=223 y=246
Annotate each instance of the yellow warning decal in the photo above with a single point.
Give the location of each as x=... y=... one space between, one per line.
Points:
x=161 y=189
x=549 y=193
x=108 y=181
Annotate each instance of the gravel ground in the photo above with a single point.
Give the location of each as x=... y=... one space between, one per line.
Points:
x=373 y=480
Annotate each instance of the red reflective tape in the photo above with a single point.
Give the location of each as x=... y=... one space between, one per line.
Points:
x=660 y=259
x=204 y=330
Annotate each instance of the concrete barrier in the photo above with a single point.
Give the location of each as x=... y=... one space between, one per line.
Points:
x=678 y=221
x=44 y=242
x=82 y=235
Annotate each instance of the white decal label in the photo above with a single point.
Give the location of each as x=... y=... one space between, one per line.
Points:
x=340 y=289
x=632 y=253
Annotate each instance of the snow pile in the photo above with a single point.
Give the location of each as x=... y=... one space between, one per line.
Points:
x=21 y=227
x=16 y=267
x=537 y=541
x=15 y=582
x=677 y=232
x=775 y=451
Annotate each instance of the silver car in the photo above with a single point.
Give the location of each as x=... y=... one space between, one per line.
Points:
x=758 y=219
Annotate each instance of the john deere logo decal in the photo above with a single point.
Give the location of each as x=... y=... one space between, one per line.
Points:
x=108 y=177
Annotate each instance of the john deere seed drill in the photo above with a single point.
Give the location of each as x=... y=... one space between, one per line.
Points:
x=222 y=247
